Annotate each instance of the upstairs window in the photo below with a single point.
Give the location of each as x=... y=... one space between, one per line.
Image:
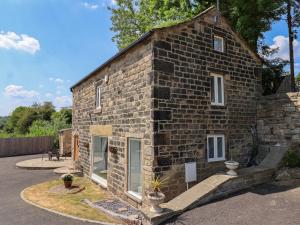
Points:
x=217 y=90
x=98 y=97
x=215 y=148
x=218 y=44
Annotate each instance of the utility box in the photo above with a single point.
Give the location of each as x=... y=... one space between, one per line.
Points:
x=190 y=172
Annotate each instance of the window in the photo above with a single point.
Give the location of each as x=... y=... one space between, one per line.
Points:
x=218 y=44
x=217 y=89
x=215 y=148
x=98 y=97
x=99 y=148
x=134 y=168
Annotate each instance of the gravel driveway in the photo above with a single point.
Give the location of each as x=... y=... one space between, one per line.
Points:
x=13 y=210
x=268 y=204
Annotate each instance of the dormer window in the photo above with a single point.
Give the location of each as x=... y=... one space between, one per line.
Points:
x=218 y=44
x=98 y=97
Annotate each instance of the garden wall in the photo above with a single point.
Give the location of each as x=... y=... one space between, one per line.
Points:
x=278 y=121
x=25 y=145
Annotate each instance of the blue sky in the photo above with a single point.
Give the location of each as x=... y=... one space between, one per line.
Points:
x=46 y=46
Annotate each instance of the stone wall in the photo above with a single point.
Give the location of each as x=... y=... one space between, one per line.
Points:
x=160 y=92
x=125 y=101
x=278 y=121
x=183 y=114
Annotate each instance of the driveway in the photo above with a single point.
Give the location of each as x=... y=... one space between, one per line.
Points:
x=277 y=203
x=13 y=210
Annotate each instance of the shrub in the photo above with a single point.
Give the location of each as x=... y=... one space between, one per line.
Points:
x=291 y=159
x=67 y=177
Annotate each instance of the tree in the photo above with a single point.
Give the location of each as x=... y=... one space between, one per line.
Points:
x=292 y=11
x=272 y=71
x=64 y=114
x=132 y=18
x=298 y=77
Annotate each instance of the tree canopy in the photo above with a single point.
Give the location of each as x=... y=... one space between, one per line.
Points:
x=250 y=18
x=36 y=120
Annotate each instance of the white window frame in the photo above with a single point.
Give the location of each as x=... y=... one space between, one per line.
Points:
x=216 y=158
x=130 y=192
x=222 y=40
x=216 y=90
x=98 y=97
x=99 y=180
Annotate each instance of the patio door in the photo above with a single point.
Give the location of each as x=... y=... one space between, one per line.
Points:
x=76 y=144
x=99 y=159
x=134 y=168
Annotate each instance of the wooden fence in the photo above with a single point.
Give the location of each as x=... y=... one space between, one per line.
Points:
x=25 y=145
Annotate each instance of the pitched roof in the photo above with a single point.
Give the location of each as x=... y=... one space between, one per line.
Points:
x=148 y=34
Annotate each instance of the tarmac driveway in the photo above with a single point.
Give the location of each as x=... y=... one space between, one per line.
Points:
x=13 y=210
x=277 y=203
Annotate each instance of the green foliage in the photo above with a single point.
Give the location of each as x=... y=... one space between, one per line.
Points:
x=292 y=159
x=298 y=77
x=272 y=71
x=67 y=177
x=3 y=121
x=41 y=128
x=131 y=18
x=37 y=120
x=22 y=117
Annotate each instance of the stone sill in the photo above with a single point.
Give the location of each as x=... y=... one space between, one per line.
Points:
x=98 y=110
x=137 y=200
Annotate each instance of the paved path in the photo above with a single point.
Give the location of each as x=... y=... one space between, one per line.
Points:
x=45 y=164
x=267 y=204
x=13 y=210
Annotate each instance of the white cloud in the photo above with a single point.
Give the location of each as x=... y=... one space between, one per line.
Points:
x=282 y=43
x=90 y=5
x=48 y=95
x=17 y=91
x=113 y=2
x=56 y=80
x=23 y=42
x=59 y=81
x=62 y=101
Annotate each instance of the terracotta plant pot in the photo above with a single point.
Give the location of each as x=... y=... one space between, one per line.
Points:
x=68 y=184
x=155 y=200
x=232 y=165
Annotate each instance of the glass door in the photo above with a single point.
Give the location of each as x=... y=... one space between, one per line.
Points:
x=134 y=168
x=99 y=164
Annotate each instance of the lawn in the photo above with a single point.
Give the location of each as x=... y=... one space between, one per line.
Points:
x=70 y=203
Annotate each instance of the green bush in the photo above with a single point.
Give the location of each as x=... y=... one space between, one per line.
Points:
x=291 y=159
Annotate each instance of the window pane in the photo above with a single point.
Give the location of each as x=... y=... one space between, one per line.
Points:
x=218 y=44
x=220 y=98
x=211 y=147
x=134 y=166
x=98 y=97
x=212 y=89
x=220 y=147
x=100 y=156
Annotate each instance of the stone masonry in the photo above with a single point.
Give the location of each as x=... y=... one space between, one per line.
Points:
x=278 y=122
x=159 y=91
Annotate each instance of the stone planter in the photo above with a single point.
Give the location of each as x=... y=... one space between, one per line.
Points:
x=155 y=200
x=68 y=184
x=231 y=165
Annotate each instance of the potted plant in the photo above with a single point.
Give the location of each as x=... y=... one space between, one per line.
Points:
x=156 y=197
x=68 y=180
x=231 y=164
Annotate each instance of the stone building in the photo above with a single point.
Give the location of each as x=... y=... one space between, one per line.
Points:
x=179 y=94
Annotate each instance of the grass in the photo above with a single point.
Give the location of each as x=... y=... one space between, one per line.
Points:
x=70 y=203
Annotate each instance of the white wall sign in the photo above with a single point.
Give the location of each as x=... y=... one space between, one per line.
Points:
x=190 y=172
